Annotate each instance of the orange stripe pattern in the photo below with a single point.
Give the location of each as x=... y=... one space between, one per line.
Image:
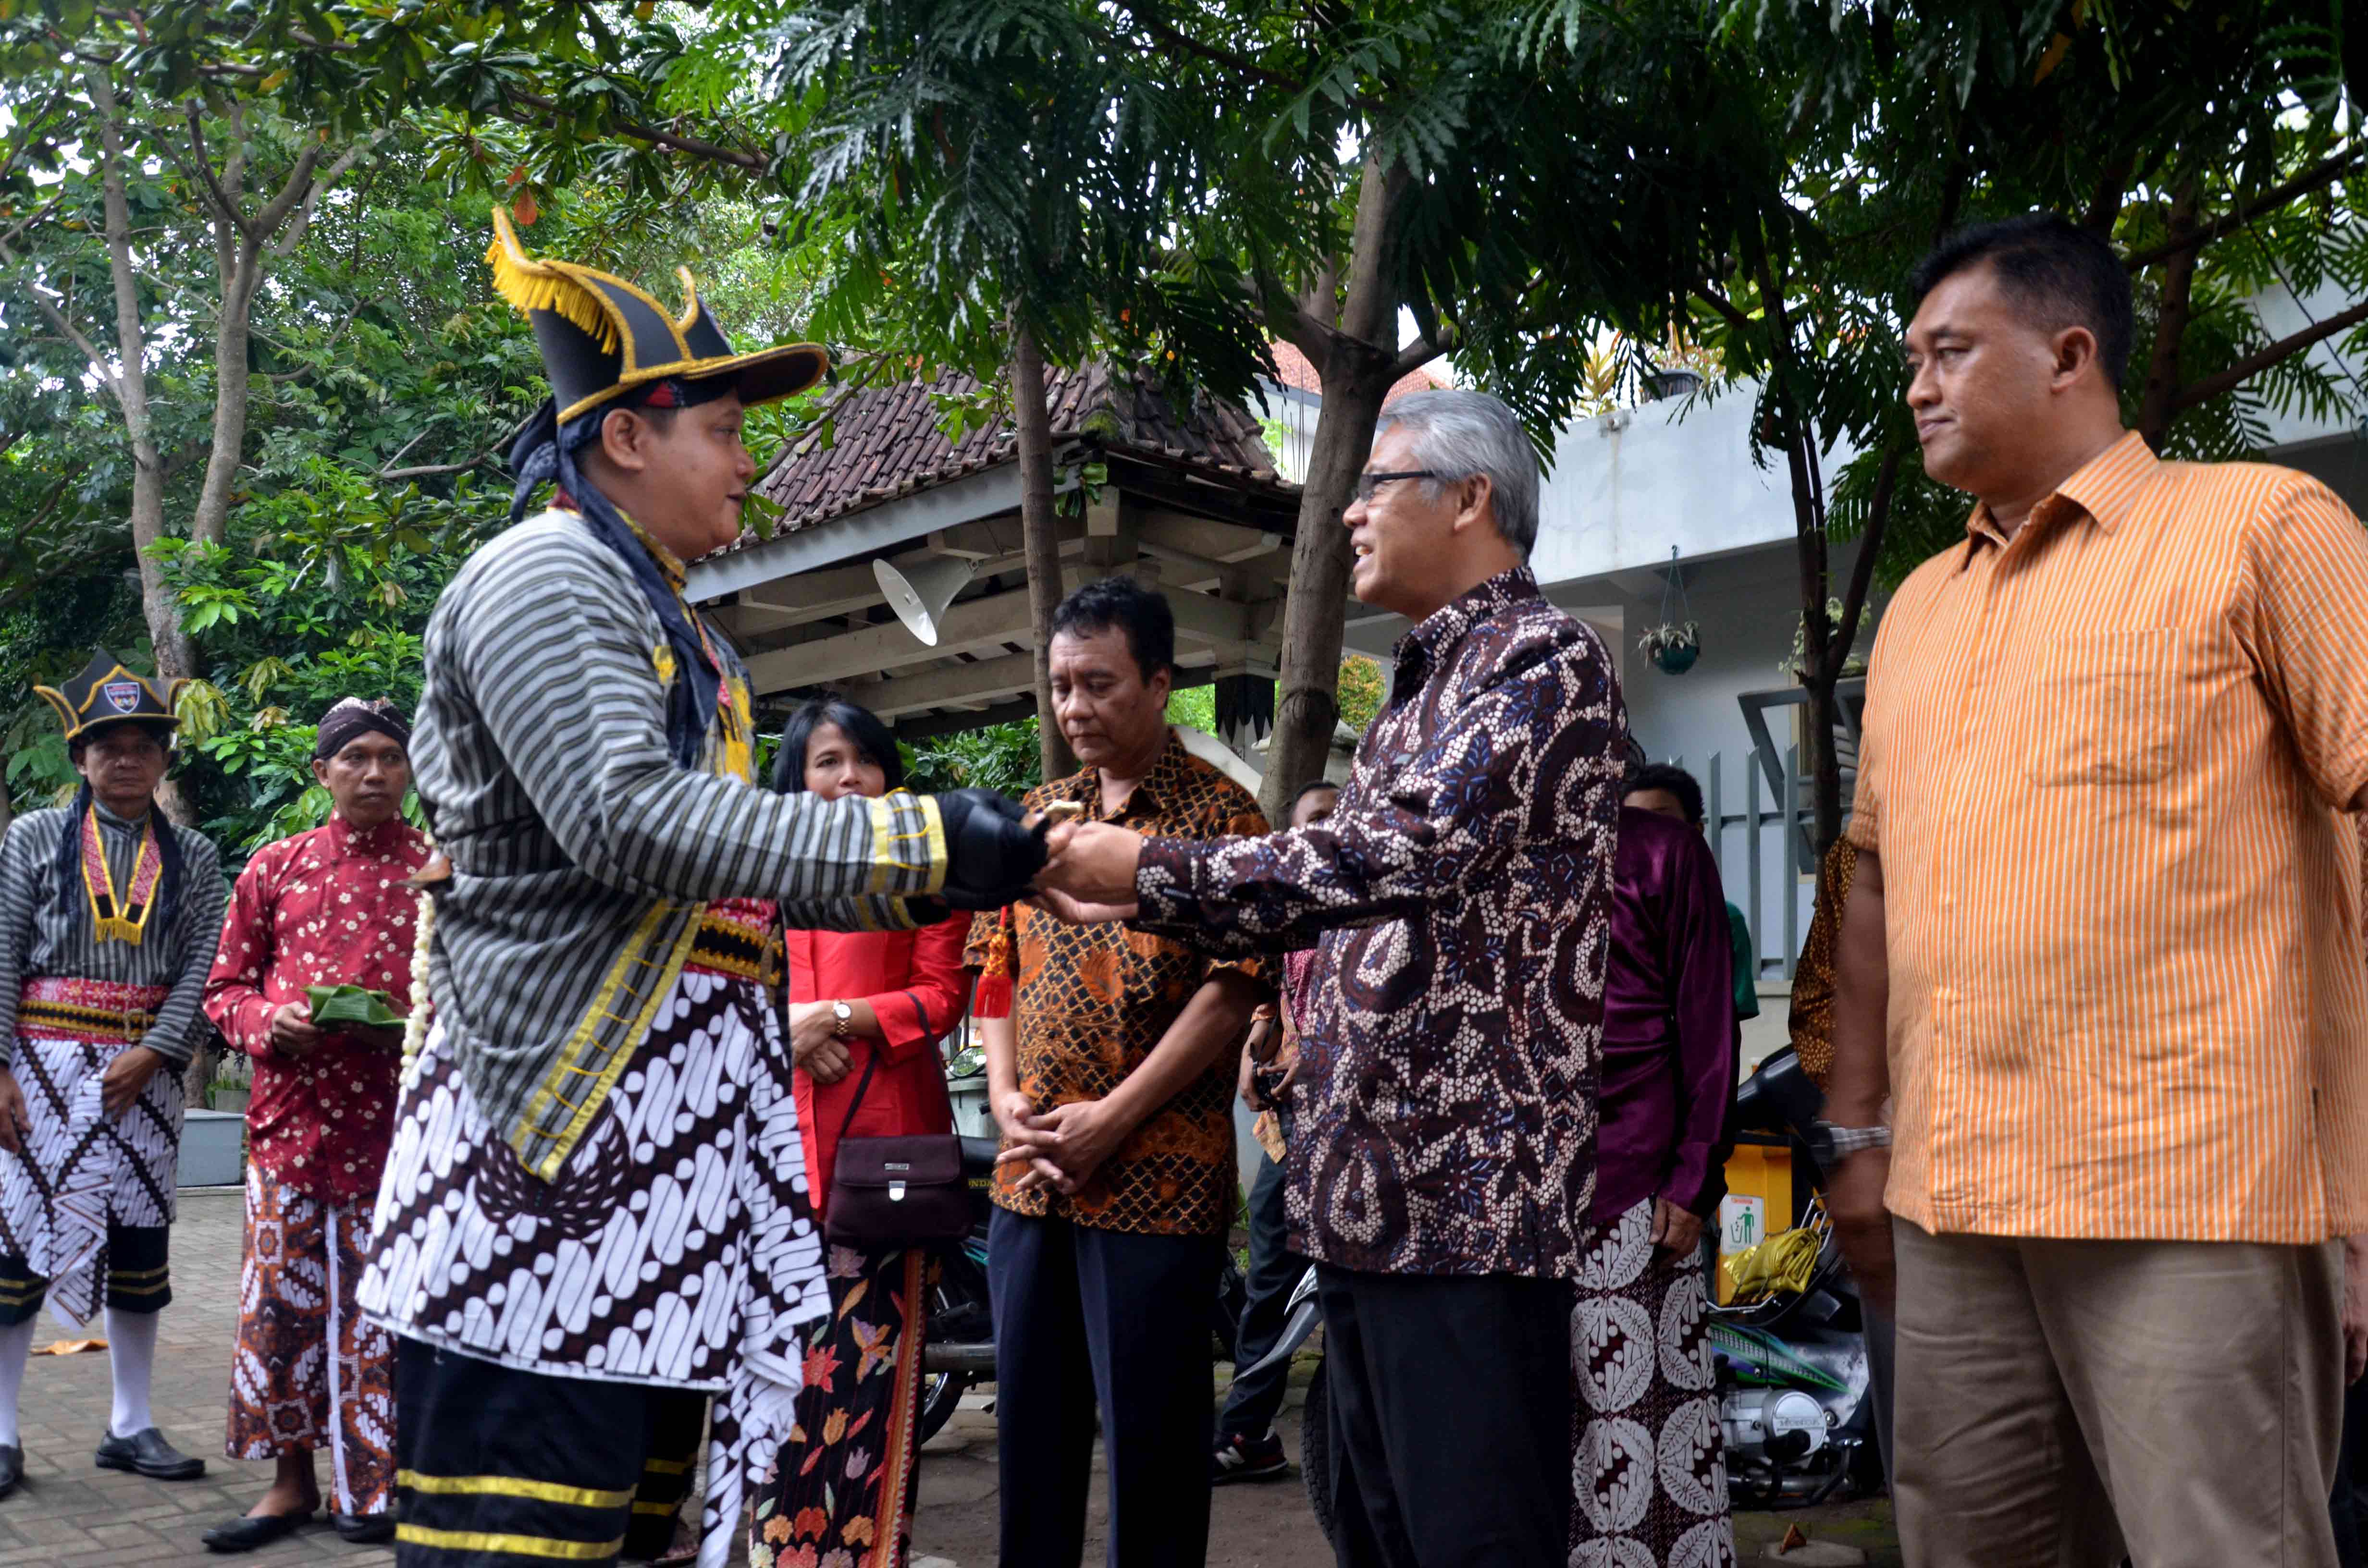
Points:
x=2104 y=764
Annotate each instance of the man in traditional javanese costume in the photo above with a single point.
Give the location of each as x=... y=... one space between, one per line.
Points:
x=328 y=908
x=594 y=1214
x=107 y=919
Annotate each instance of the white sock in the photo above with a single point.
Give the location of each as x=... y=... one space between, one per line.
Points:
x=16 y=1350
x=131 y=1345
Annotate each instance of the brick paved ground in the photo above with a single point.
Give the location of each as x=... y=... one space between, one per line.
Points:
x=73 y=1515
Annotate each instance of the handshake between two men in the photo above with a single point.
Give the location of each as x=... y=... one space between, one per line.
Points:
x=997 y=853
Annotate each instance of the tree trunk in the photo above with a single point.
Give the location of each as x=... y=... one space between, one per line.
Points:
x=1354 y=364
x=1822 y=650
x=2158 y=402
x=243 y=272
x=174 y=656
x=1040 y=538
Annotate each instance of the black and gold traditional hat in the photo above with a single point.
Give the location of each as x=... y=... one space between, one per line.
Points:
x=601 y=337
x=107 y=693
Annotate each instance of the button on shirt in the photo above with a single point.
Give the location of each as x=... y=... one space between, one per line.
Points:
x=1091 y=1002
x=1445 y=1117
x=326 y=907
x=2104 y=764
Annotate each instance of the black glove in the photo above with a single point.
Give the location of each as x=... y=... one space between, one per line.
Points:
x=990 y=857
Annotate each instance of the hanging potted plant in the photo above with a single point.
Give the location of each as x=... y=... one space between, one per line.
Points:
x=1674 y=644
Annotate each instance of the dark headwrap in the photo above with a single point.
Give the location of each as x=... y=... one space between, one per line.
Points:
x=545 y=450
x=66 y=881
x=352 y=716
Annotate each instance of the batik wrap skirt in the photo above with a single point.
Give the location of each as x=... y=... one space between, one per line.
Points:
x=309 y=1371
x=1648 y=1483
x=675 y=1249
x=83 y=1171
x=843 y=1489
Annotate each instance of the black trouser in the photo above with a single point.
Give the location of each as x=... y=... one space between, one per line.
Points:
x=135 y=1264
x=1450 y=1419
x=500 y=1466
x=1088 y=1317
x=1256 y=1400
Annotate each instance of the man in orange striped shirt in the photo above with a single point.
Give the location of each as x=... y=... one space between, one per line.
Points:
x=2101 y=954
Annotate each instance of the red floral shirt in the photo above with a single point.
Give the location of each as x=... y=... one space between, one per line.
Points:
x=326 y=907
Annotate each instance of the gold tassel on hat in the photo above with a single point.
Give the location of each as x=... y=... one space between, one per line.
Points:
x=531 y=285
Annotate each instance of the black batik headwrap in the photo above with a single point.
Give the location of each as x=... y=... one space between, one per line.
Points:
x=544 y=451
x=353 y=716
x=65 y=882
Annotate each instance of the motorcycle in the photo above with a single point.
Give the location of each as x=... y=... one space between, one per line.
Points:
x=1792 y=1375
x=959 y=1349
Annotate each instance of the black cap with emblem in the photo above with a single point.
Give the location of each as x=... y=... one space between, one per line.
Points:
x=107 y=693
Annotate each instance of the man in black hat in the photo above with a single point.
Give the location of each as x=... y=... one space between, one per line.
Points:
x=107 y=919
x=594 y=1214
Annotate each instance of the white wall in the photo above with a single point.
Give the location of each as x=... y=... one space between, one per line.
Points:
x=1624 y=487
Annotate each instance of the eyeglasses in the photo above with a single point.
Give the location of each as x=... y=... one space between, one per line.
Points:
x=1369 y=483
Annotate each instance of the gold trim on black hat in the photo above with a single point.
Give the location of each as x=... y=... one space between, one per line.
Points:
x=72 y=706
x=602 y=337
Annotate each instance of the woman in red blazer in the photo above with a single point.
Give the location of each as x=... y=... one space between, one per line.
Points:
x=878 y=1001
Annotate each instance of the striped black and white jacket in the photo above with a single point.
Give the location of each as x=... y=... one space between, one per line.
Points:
x=45 y=931
x=581 y=853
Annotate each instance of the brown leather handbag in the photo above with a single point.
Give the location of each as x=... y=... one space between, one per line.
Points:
x=895 y=1192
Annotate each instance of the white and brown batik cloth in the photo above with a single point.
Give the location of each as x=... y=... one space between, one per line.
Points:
x=675 y=1249
x=1648 y=1481
x=309 y=1371
x=84 y=1177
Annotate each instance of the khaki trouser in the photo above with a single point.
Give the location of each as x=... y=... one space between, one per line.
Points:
x=2192 y=1391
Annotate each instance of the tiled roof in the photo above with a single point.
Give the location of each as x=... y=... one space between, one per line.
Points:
x=888 y=442
x=1299 y=375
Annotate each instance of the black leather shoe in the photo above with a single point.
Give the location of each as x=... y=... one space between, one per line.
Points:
x=363 y=1529
x=254 y=1530
x=12 y=1467
x=146 y=1452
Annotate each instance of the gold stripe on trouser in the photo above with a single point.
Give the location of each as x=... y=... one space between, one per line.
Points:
x=512 y=1486
x=515 y=1545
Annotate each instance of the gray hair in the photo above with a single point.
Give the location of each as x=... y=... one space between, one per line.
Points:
x=1464 y=434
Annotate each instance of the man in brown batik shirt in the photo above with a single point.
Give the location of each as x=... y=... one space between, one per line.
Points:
x=1112 y=1083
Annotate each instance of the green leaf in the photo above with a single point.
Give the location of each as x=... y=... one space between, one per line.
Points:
x=332 y=1005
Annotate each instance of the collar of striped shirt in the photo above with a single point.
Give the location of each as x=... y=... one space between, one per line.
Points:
x=2103 y=489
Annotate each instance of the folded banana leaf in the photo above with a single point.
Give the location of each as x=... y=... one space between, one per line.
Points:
x=340 y=1006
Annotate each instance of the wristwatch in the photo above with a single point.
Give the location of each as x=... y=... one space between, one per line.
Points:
x=1833 y=1145
x=843 y=1020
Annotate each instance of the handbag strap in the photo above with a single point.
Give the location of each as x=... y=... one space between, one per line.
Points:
x=871 y=1065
